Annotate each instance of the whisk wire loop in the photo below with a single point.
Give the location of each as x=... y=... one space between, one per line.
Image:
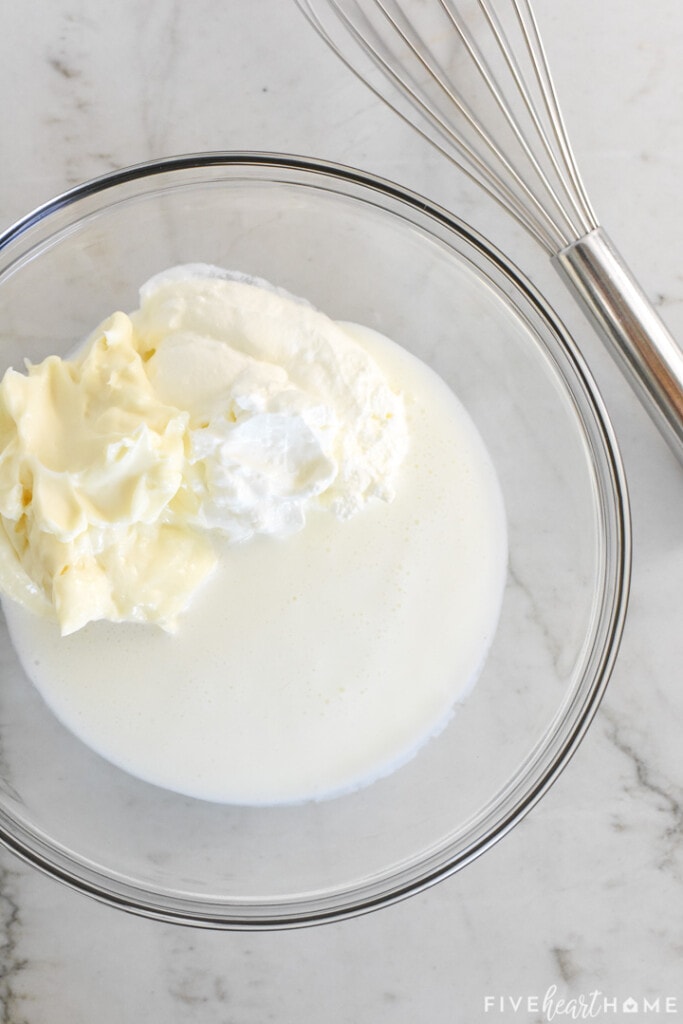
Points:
x=507 y=111
x=541 y=66
x=444 y=135
x=415 y=44
x=527 y=168
x=558 y=166
x=504 y=130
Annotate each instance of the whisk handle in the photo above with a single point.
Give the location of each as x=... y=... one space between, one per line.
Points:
x=641 y=344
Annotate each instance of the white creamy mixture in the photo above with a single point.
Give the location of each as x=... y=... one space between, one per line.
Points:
x=359 y=539
x=220 y=406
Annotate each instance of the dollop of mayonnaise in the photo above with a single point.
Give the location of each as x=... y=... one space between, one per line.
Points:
x=221 y=404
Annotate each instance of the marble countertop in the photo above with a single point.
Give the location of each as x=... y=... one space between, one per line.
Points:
x=586 y=894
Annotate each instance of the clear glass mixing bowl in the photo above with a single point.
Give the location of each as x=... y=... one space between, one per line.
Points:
x=360 y=249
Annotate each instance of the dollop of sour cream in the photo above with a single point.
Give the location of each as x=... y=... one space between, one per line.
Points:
x=221 y=404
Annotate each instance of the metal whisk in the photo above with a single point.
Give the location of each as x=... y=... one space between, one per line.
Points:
x=476 y=83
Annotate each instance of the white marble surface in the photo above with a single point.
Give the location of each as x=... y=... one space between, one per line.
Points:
x=587 y=893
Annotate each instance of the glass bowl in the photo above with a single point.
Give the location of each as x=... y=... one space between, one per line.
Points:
x=364 y=250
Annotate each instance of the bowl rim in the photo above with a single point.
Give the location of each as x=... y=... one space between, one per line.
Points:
x=137 y=900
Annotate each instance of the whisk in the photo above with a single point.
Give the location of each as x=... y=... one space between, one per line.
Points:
x=475 y=81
